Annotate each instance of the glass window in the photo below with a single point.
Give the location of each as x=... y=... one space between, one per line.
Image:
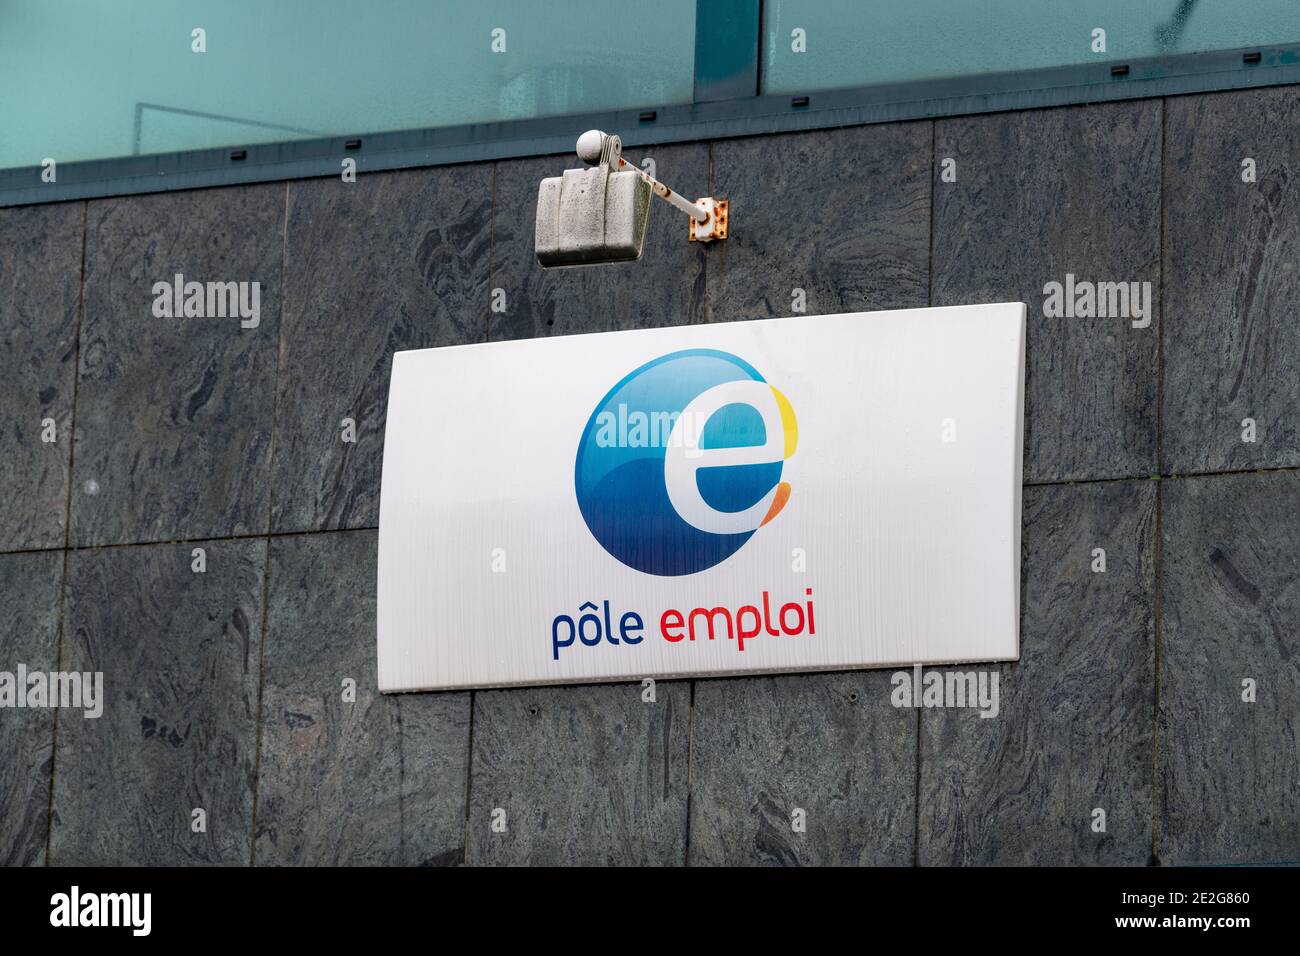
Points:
x=866 y=42
x=94 y=79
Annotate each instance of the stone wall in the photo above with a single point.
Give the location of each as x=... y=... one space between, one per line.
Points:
x=223 y=688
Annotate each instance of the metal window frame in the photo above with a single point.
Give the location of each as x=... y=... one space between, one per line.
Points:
x=727 y=104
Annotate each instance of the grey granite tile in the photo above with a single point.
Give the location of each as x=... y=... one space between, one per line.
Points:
x=842 y=214
x=1230 y=770
x=174 y=415
x=29 y=637
x=1232 y=278
x=378 y=780
x=394 y=261
x=664 y=287
x=180 y=657
x=1040 y=196
x=1074 y=724
x=40 y=288
x=587 y=775
x=830 y=745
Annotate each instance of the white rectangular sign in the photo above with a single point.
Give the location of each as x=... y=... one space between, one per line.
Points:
x=802 y=494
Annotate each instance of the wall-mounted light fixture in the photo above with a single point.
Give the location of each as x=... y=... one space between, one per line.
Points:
x=599 y=214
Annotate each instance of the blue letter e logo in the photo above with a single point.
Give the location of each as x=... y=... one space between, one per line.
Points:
x=681 y=462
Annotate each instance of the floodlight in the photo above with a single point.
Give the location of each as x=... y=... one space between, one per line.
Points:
x=599 y=214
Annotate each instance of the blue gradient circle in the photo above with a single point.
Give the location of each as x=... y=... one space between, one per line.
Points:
x=621 y=490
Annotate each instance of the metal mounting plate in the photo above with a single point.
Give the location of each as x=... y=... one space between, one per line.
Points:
x=715 y=227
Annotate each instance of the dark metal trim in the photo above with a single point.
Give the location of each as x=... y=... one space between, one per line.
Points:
x=746 y=116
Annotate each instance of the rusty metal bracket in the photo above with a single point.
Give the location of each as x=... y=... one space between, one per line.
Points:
x=715 y=224
x=597 y=148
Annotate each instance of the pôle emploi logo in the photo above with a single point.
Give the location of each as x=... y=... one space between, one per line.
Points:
x=679 y=466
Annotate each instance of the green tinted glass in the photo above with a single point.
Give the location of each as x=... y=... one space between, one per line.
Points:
x=92 y=79
x=826 y=44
